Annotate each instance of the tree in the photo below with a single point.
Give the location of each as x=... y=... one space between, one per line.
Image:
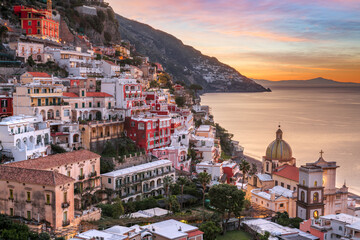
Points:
x=210 y=230
x=3 y=31
x=195 y=88
x=253 y=169
x=204 y=179
x=154 y=84
x=265 y=236
x=31 y=61
x=180 y=101
x=244 y=166
x=57 y=149
x=226 y=199
x=117 y=209
x=167 y=182
x=182 y=181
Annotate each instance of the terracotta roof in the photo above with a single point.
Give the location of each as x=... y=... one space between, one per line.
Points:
x=55 y=160
x=70 y=94
x=39 y=74
x=33 y=176
x=97 y=94
x=287 y=171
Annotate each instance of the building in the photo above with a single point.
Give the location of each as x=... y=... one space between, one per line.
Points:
x=36 y=77
x=205 y=148
x=137 y=182
x=24 y=137
x=172 y=229
x=149 y=132
x=40 y=196
x=310 y=202
x=318 y=187
x=261 y=226
x=42 y=99
x=76 y=62
x=38 y=23
x=83 y=166
x=177 y=155
x=276 y=199
x=278 y=153
x=333 y=226
x=231 y=171
x=110 y=69
x=95 y=134
x=213 y=168
x=128 y=94
x=6 y=109
x=286 y=176
x=25 y=50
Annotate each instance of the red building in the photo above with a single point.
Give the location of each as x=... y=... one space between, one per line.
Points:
x=38 y=23
x=149 y=132
x=232 y=172
x=6 y=106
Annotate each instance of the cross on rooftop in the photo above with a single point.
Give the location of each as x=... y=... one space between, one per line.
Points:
x=321 y=153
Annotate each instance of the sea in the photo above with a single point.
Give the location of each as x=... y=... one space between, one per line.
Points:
x=311 y=118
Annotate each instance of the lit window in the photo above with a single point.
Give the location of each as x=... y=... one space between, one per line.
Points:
x=28 y=196
x=47 y=198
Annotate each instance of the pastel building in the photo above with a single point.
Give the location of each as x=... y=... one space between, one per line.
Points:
x=24 y=137
x=110 y=69
x=40 y=196
x=82 y=166
x=25 y=50
x=135 y=183
x=6 y=106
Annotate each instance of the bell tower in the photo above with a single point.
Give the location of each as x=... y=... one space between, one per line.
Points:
x=49 y=5
x=310 y=197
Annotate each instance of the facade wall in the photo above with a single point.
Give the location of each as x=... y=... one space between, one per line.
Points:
x=285 y=182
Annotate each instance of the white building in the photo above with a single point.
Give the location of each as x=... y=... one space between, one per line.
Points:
x=24 y=137
x=127 y=92
x=136 y=182
x=27 y=49
x=76 y=62
x=110 y=69
x=212 y=168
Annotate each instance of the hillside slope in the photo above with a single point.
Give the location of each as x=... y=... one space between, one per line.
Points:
x=184 y=62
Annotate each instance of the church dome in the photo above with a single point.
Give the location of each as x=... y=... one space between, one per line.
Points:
x=279 y=149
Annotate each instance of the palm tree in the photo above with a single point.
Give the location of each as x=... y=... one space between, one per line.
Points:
x=245 y=168
x=182 y=181
x=204 y=179
x=167 y=182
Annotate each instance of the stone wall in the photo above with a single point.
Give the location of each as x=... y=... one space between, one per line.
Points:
x=130 y=161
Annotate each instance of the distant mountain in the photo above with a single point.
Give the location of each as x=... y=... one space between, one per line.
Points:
x=315 y=82
x=184 y=63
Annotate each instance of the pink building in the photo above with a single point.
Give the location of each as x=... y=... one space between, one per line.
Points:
x=177 y=155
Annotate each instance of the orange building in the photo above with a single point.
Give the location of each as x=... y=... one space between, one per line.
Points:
x=38 y=23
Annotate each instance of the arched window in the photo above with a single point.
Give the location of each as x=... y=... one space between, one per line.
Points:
x=315 y=183
x=340 y=228
x=267 y=166
x=316 y=197
x=304 y=182
x=302 y=196
x=57 y=113
x=316 y=214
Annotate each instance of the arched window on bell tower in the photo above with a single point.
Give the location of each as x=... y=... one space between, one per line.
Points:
x=316 y=197
x=302 y=196
x=315 y=184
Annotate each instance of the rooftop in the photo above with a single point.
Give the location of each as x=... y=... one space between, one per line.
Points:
x=92 y=234
x=88 y=94
x=204 y=128
x=55 y=160
x=264 y=177
x=18 y=119
x=33 y=176
x=136 y=169
x=342 y=217
x=287 y=171
x=39 y=74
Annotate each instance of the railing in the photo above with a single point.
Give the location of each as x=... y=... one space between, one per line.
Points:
x=81 y=177
x=66 y=223
x=65 y=204
x=93 y=174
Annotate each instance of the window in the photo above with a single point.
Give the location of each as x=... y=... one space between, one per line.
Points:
x=141 y=126
x=66 y=113
x=340 y=228
x=68 y=173
x=282 y=184
x=76 y=105
x=38 y=31
x=11 y=194
x=83 y=105
x=304 y=182
x=65 y=197
x=90 y=104
x=57 y=113
x=267 y=166
x=29 y=15
x=39 y=102
x=316 y=197
x=288 y=186
x=28 y=91
x=281 y=205
x=47 y=198
x=132 y=124
x=302 y=196
x=98 y=104
x=315 y=183
x=109 y=180
x=81 y=171
x=4 y=103
x=316 y=214
x=11 y=212
x=109 y=105
x=294 y=188
x=82 y=93
x=28 y=215
x=29 y=23
x=28 y=196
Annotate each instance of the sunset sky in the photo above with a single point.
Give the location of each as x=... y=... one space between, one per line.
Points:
x=263 y=39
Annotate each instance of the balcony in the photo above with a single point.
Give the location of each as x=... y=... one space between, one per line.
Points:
x=65 y=204
x=66 y=223
x=93 y=174
x=81 y=177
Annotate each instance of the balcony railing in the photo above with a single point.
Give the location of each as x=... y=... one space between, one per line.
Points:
x=65 y=204
x=81 y=177
x=93 y=174
x=66 y=223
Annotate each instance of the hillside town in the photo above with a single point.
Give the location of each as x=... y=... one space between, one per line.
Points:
x=99 y=142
